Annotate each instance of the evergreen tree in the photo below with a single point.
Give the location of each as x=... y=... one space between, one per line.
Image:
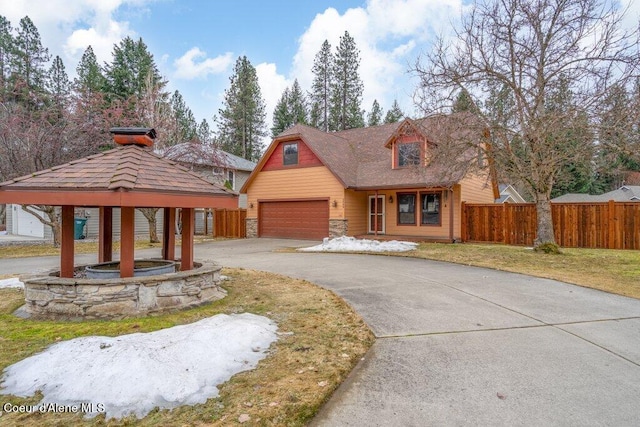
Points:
x=346 y=88
x=58 y=83
x=203 y=133
x=241 y=122
x=394 y=114
x=90 y=76
x=185 y=126
x=127 y=74
x=375 y=115
x=321 y=87
x=464 y=102
x=7 y=46
x=290 y=109
x=29 y=60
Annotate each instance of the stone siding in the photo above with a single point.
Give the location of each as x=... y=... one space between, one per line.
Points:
x=73 y=299
x=338 y=227
x=252 y=227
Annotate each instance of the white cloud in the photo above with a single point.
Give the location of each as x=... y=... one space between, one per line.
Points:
x=389 y=35
x=272 y=85
x=192 y=65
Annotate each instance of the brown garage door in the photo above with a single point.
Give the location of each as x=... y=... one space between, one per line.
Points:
x=308 y=219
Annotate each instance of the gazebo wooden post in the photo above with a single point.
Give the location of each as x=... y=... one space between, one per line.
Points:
x=169 y=234
x=127 y=229
x=187 y=239
x=105 y=234
x=67 y=243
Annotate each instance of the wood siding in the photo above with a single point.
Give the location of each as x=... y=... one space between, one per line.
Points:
x=306 y=158
x=303 y=183
x=356 y=212
x=417 y=230
x=613 y=225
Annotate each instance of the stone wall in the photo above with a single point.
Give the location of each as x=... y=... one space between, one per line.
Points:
x=338 y=227
x=74 y=299
x=252 y=227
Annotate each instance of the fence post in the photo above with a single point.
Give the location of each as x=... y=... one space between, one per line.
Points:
x=463 y=220
x=611 y=218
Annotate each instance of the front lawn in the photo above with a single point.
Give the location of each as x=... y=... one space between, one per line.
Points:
x=615 y=271
x=321 y=341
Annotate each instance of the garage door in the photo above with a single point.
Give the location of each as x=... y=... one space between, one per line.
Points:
x=308 y=219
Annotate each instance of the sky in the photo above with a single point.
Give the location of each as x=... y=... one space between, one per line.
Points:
x=196 y=42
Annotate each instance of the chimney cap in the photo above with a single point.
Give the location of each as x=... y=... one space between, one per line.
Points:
x=150 y=132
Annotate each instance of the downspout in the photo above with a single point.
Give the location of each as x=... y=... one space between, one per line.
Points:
x=451 y=207
x=375 y=215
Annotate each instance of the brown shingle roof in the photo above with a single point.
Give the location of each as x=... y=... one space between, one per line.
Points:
x=130 y=168
x=359 y=158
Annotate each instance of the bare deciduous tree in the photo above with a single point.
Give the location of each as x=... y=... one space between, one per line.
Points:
x=525 y=51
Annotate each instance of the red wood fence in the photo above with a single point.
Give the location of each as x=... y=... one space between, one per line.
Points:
x=229 y=223
x=613 y=225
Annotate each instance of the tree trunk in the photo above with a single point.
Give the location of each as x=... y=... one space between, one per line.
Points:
x=544 y=228
x=53 y=213
x=150 y=214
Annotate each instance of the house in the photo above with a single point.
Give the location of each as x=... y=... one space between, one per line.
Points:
x=216 y=166
x=626 y=193
x=508 y=194
x=402 y=179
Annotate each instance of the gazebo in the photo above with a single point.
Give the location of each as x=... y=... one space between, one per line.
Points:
x=129 y=176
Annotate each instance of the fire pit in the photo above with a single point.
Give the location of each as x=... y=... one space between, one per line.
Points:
x=141 y=268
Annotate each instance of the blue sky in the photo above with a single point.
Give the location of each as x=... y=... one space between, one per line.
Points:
x=196 y=42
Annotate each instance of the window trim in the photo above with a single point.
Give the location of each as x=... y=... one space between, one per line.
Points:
x=398 y=195
x=231 y=177
x=440 y=195
x=284 y=150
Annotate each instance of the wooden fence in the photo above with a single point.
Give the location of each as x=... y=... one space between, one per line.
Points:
x=229 y=223
x=613 y=225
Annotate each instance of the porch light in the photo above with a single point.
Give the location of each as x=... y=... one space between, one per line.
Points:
x=335 y=203
x=390 y=199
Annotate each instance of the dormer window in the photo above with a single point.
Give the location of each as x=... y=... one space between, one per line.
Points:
x=409 y=154
x=290 y=154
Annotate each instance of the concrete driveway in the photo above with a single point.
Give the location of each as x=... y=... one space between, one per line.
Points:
x=459 y=345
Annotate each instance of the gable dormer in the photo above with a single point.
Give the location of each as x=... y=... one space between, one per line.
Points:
x=291 y=153
x=409 y=146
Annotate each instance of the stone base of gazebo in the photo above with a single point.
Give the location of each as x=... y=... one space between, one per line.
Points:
x=53 y=297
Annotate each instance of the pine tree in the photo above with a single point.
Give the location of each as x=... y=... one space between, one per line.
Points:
x=290 y=109
x=29 y=60
x=90 y=77
x=375 y=115
x=58 y=84
x=185 y=127
x=132 y=64
x=321 y=87
x=298 y=104
x=346 y=88
x=465 y=103
x=394 y=114
x=203 y=133
x=7 y=46
x=241 y=122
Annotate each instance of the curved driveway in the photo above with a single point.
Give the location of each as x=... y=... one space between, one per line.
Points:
x=459 y=345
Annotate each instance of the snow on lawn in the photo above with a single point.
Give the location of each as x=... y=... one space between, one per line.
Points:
x=12 y=282
x=344 y=243
x=132 y=374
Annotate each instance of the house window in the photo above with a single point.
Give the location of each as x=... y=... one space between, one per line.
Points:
x=290 y=154
x=409 y=154
x=407 y=209
x=231 y=179
x=430 y=206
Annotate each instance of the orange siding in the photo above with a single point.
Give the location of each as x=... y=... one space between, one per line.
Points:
x=293 y=184
x=477 y=189
x=356 y=212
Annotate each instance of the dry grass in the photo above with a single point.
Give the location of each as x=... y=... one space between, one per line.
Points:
x=614 y=271
x=323 y=339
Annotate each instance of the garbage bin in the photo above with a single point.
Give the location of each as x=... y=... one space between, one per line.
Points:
x=78 y=229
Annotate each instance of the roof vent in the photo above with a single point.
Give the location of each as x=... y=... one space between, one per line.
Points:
x=142 y=137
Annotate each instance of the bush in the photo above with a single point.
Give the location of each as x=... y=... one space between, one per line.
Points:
x=548 y=248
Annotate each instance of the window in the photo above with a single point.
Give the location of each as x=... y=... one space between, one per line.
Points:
x=409 y=154
x=407 y=209
x=430 y=205
x=290 y=154
x=231 y=179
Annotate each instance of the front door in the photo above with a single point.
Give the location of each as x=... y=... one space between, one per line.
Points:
x=376 y=214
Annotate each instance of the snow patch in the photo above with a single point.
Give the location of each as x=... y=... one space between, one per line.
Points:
x=132 y=374
x=345 y=244
x=12 y=282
